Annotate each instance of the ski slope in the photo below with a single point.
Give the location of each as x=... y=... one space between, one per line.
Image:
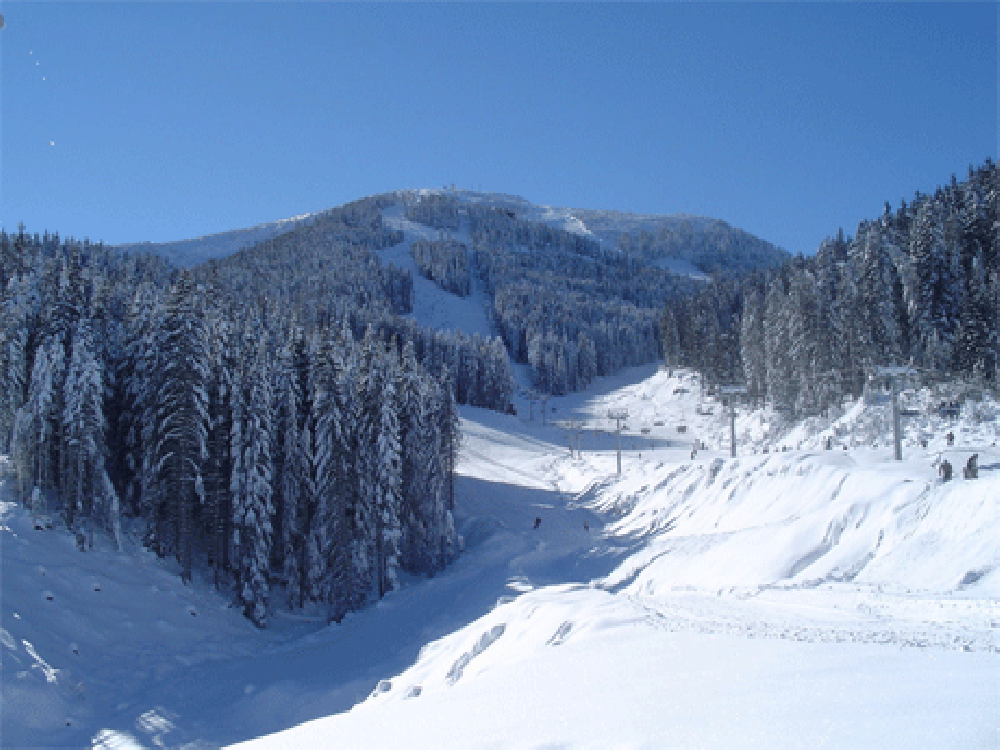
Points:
x=433 y=307
x=603 y=226
x=796 y=597
x=771 y=600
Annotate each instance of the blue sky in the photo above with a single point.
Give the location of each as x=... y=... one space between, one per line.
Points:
x=162 y=121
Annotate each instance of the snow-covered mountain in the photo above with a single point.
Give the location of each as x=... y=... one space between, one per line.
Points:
x=683 y=238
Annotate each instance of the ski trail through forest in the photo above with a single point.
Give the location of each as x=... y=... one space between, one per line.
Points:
x=253 y=683
x=334 y=669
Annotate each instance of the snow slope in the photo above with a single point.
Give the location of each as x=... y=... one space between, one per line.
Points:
x=773 y=600
x=766 y=601
x=189 y=253
x=602 y=226
x=433 y=307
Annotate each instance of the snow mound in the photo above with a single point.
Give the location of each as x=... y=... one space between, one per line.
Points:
x=806 y=519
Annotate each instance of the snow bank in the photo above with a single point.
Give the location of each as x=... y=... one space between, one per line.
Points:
x=808 y=518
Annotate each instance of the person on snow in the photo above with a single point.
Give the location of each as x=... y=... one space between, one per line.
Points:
x=945 y=471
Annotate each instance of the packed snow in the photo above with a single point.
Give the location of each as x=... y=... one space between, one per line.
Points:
x=818 y=593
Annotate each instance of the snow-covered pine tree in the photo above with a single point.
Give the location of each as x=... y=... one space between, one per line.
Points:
x=387 y=473
x=377 y=509
x=808 y=361
x=294 y=470
x=86 y=489
x=752 y=341
x=777 y=344
x=20 y=304
x=934 y=300
x=34 y=437
x=975 y=352
x=450 y=430
x=140 y=374
x=330 y=543
x=670 y=338
x=251 y=480
x=217 y=474
x=413 y=486
x=180 y=420
x=366 y=412
x=874 y=316
x=436 y=523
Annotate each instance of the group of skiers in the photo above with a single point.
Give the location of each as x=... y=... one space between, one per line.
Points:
x=970 y=471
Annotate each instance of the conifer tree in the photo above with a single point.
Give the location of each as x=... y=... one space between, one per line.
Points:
x=331 y=540
x=180 y=422
x=84 y=481
x=251 y=484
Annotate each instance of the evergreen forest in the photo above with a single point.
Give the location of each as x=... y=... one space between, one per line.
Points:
x=275 y=420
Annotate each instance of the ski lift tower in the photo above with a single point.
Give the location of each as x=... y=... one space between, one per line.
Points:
x=619 y=415
x=732 y=391
x=574 y=427
x=536 y=397
x=894 y=374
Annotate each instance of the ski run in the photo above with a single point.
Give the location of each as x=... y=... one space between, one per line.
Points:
x=819 y=593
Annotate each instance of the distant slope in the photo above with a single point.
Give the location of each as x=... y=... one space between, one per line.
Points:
x=682 y=244
x=709 y=244
x=189 y=253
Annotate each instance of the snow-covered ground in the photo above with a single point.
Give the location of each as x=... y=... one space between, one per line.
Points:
x=800 y=597
x=805 y=596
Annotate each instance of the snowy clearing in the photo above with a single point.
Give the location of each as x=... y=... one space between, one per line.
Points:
x=433 y=307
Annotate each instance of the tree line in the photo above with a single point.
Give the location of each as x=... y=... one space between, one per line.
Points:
x=918 y=286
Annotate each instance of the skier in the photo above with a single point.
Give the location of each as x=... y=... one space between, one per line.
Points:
x=971 y=470
x=945 y=471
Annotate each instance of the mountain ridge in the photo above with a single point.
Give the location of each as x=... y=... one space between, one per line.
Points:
x=657 y=237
